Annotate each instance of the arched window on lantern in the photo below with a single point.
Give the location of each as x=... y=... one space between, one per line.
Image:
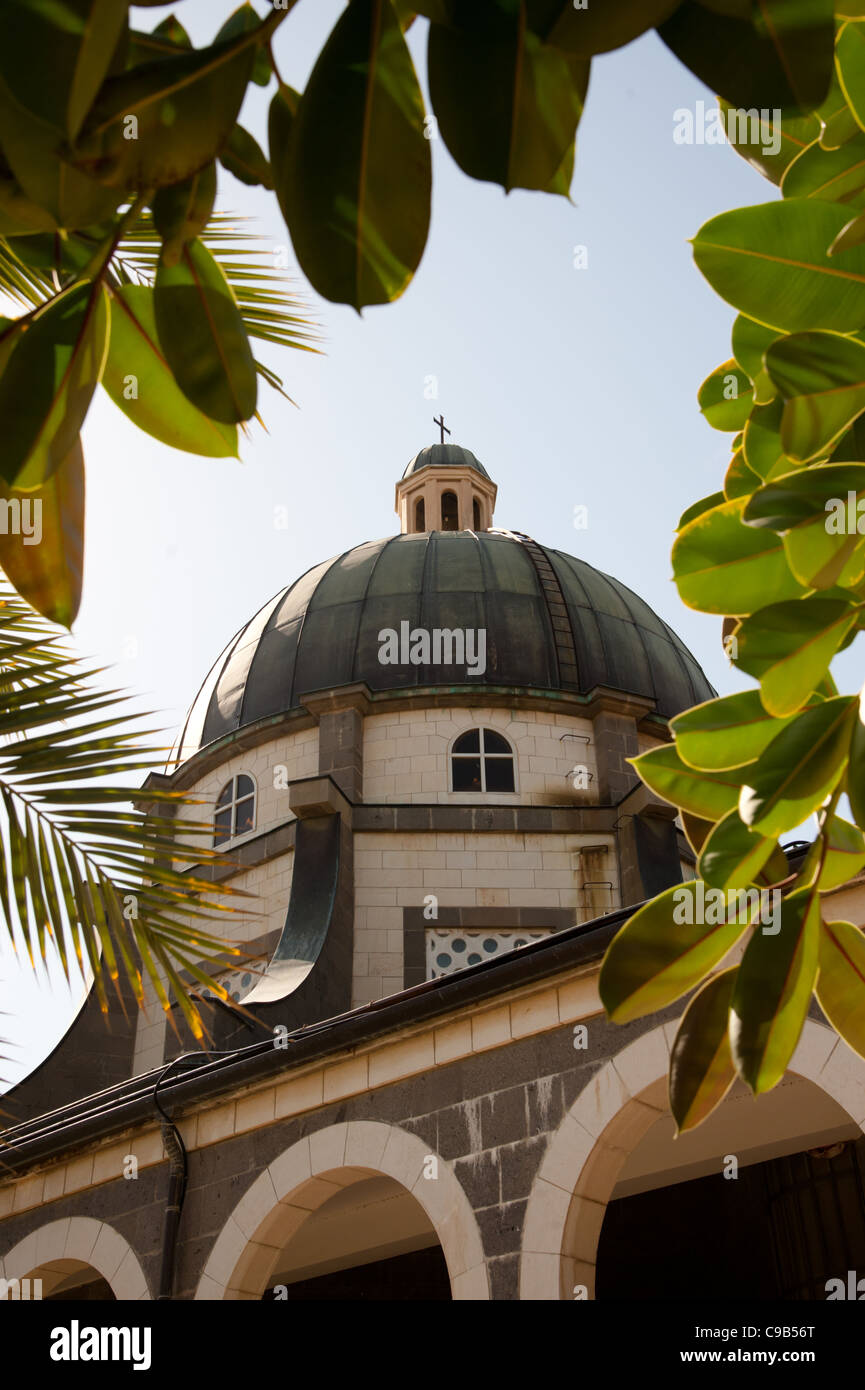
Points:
x=450 y=512
x=235 y=809
x=419 y=515
x=476 y=514
x=482 y=761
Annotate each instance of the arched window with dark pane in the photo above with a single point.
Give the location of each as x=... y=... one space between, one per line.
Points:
x=450 y=512
x=482 y=761
x=235 y=809
x=419 y=515
x=476 y=514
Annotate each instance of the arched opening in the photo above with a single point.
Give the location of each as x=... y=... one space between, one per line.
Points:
x=235 y=809
x=450 y=512
x=617 y=1144
x=420 y=515
x=476 y=514
x=370 y=1241
x=66 y=1281
x=482 y=761
x=72 y=1260
x=354 y=1204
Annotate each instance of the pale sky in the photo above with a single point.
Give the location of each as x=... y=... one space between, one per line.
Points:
x=572 y=386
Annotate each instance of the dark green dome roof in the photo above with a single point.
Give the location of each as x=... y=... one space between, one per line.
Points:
x=552 y=623
x=445 y=456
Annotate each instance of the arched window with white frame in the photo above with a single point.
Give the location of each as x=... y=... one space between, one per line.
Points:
x=235 y=809
x=482 y=760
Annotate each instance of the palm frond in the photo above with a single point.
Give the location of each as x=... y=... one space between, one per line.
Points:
x=83 y=872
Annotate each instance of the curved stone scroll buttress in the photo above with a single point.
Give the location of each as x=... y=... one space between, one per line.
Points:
x=309 y=974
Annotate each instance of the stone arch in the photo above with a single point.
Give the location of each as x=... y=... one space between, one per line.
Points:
x=302 y=1178
x=79 y=1240
x=607 y=1120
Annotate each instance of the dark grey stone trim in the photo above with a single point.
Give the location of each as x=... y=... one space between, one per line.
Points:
x=415 y=926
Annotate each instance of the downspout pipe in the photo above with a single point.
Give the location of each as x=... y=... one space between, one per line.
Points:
x=177 y=1179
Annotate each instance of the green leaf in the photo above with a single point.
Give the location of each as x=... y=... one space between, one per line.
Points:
x=507 y=104
x=780 y=57
x=733 y=854
x=280 y=121
x=67 y=197
x=44 y=555
x=799 y=769
x=139 y=380
x=739 y=480
x=701 y=1063
x=593 y=28
x=241 y=22
x=54 y=55
x=181 y=211
x=725 y=733
x=821 y=507
x=723 y=566
x=662 y=952
x=852 y=234
x=771 y=262
x=768 y=144
x=750 y=341
x=836 y=176
x=773 y=990
x=705 y=504
x=171 y=29
x=203 y=337
x=850 y=65
x=696 y=830
x=764 y=453
x=243 y=157
x=162 y=122
x=709 y=795
x=789 y=647
x=841 y=982
x=837 y=120
x=48 y=382
x=354 y=183
x=798 y=496
x=726 y=397
x=821 y=378
x=856 y=770
x=842 y=850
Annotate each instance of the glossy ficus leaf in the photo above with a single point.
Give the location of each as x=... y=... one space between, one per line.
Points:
x=761 y=443
x=771 y=262
x=203 y=338
x=780 y=56
x=354 y=182
x=856 y=770
x=48 y=381
x=19 y=215
x=749 y=342
x=243 y=157
x=773 y=990
x=181 y=211
x=241 y=22
x=725 y=733
x=54 y=55
x=662 y=951
x=701 y=1063
x=705 y=504
x=734 y=854
x=838 y=124
x=851 y=234
x=507 y=104
x=799 y=769
x=43 y=555
x=841 y=848
x=696 y=830
x=821 y=379
x=726 y=397
x=789 y=646
x=723 y=566
x=836 y=176
x=768 y=144
x=739 y=480
x=139 y=380
x=593 y=28
x=67 y=197
x=709 y=795
x=162 y=122
x=799 y=496
x=841 y=982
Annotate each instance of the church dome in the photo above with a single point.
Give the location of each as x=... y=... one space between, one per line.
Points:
x=444 y=456
x=552 y=623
